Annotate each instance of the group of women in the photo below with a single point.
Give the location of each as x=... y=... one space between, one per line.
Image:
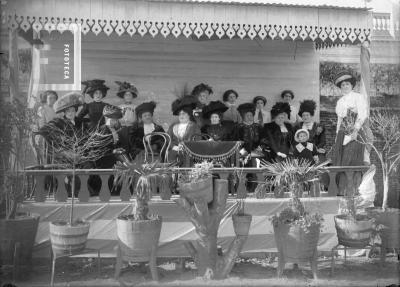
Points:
x=273 y=135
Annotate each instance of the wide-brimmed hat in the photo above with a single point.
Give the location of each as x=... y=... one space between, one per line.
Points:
x=307 y=106
x=214 y=107
x=280 y=108
x=260 y=98
x=145 y=107
x=186 y=102
x=126 y=87
x=296 y=135
x=246 y=107
x=94 y=85
x=344 y=76
x=112 y=112
x=69 y=100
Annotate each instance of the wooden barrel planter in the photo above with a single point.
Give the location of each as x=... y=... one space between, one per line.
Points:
x=198 y=189
x=296 y=244
x=137 y=238
x=353 y=233
x=68 y=239
x=241 y=224
x=390 y=220
x=22 y=230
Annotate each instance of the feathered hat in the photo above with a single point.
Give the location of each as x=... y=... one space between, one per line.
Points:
x=187 y=102
x=145 y=107
x=200 y=88
x=126 y=87
x=69 y=100
x=258 y=98
x=296 y=135
x=345 y=76
x=112 y=112
x=307 y=106
x=214 y=107
x=245 y=108
x=280 y=108
x=94 y=85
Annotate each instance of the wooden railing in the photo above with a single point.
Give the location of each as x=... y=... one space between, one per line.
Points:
x=38 y=192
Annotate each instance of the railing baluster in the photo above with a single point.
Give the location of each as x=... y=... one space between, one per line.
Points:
x=40 y=190
x=84 y=194
x=332 y=188
x=61 y=193
x=125 y=193
x=105 y=193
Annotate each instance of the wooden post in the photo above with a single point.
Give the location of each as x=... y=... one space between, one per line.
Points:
x=13 y=63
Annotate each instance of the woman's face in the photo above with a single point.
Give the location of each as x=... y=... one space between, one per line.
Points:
x=51 y=99
x=203 y=97
x=232 y=98
x=147 y=118
x=280 y=119
x=70 y=113
x=287 y=98
x=97 y=95
x=248 y=117
x=260 y=104
x=306 y=117
x=128 y=97
x=215 y=119
x=183 y=117
x=346 y=87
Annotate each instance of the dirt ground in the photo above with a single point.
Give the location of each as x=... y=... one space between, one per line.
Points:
x=358 y=271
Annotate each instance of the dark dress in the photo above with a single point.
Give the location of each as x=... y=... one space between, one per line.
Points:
x=95 y=112
x=136 y=135
x=219 y=132
x=306 y=151
x=277 y=141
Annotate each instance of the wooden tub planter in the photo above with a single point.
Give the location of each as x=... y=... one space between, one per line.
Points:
x=68 y=239
x=138 y=241
x=241 y=224
x=296 y=244
x=199 y=189
x=17 y=238
x=354 y=233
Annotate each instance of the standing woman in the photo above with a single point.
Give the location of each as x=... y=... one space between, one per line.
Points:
x=143 y=127
x=216 y=130
x=97 y=90
x=261 y=116
x=352 y=112
x=316 y=131
x=232 y=114
x=202 y=93
x=278 y=135
x=128 y=93
x=46 y=112
x=287 y=97
x=185 y=128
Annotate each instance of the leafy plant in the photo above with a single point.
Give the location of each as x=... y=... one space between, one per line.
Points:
x=199 y=172
x=240 y=206
x=142 y=176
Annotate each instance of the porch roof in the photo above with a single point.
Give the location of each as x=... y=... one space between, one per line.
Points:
x=202 y=19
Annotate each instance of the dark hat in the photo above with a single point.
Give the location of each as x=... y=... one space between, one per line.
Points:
x=214 y=107
x=112 y=112
x=200 y=88
x=260 y=98
x=186 y=102
x=345 y=76
x=145 y=107
x=290 y=92
x=126 y=87
x=227 y=93
x=280 y=108
x=307 y=106
x=94 y=85
x=247 y=107
x=69 y=100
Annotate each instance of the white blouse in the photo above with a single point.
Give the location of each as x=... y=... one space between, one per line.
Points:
x=266 y=117
x=356 y=103
x=129 y=116
x=180 y=130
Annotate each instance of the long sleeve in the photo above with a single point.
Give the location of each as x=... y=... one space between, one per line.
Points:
x=362 y=111
x=320 y=140
x=84 y=111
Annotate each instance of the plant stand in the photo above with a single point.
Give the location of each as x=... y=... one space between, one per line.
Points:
x=206 y=219
x=56 y=255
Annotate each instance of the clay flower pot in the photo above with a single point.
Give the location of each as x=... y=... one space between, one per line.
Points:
x=198 y=189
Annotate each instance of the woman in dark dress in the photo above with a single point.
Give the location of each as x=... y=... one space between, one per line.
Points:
x=217 y=130
x=97 y=90
x=278 y=135
x=145 y=126
x=202 y=93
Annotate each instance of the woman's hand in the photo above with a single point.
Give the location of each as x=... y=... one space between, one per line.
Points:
x=354 y=135
x=281 y=154
x=321 y=150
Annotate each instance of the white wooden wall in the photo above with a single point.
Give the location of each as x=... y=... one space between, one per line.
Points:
x=157 y=65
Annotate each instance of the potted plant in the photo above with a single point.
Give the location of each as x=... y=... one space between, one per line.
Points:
x=241 y=221
x=72 y=149
x=385 y=124
x=197 y=183
x=296 y=231
x=138 y=233
x=18 y=230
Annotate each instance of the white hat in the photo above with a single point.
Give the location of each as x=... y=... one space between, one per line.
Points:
x=301 y=131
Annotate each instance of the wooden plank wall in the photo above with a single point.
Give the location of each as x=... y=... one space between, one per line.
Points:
x=157 y=65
